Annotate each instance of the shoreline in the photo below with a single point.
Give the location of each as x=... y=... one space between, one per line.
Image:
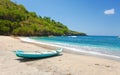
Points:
x=69 y=50
x=66 y=64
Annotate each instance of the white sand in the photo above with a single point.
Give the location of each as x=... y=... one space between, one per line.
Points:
x=66 y=64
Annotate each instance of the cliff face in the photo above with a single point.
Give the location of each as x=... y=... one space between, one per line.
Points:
x=16 y=20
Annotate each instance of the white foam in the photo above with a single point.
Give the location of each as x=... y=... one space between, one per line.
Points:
x=27 y=39
x=72 y=36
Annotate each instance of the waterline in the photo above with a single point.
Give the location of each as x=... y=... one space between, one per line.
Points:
x=70 y=48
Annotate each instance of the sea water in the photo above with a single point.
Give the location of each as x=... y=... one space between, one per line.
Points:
x=97 y=45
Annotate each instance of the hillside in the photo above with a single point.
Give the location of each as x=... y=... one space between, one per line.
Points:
x=16 y=20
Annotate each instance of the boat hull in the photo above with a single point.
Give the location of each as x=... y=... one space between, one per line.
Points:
x=23 y=54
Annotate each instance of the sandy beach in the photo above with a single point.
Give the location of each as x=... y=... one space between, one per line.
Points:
x=65 y=64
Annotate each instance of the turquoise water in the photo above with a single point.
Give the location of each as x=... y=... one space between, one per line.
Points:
x=109 y=45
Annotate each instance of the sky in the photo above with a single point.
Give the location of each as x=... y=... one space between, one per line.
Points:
x=93 y=17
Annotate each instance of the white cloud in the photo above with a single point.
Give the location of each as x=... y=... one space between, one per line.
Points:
x=109 y=12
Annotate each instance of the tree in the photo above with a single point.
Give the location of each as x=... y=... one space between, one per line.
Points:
x=16 y=20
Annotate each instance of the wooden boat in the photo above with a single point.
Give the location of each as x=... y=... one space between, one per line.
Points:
x=37 y=54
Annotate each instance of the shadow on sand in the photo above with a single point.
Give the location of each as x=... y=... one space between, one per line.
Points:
x=34 y=59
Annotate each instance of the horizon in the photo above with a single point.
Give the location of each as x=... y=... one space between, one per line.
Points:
x=91 y=17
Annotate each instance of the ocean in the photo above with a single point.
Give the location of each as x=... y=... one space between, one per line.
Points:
x=108 y=46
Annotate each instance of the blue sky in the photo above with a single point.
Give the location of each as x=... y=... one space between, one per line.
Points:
x=94 y=17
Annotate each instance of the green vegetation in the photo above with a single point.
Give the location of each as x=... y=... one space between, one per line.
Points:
x=16 y=20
